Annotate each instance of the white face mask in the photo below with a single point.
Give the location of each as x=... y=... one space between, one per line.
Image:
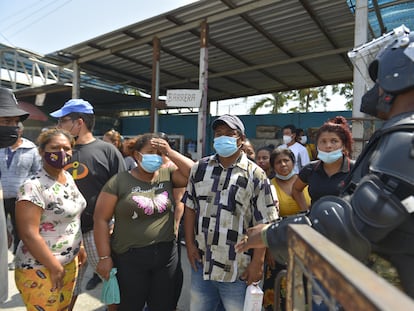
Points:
x=287 y=139
x=303 y=140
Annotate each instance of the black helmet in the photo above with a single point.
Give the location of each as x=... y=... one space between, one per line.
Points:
x=393 y=68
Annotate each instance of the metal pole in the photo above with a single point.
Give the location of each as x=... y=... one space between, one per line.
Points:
x=155 y=90
x=203 y=86
x=75 y=80
x=360 y=37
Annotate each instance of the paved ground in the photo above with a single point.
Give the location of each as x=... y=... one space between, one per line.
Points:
x=89 y=300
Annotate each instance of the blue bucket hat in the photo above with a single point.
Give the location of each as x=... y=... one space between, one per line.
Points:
x=73 y=105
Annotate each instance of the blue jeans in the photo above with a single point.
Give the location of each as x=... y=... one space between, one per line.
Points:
x=206 y=295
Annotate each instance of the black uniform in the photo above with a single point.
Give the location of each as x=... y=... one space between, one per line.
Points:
x=375 y=210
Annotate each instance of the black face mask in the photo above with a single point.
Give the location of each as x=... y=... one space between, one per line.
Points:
x=8 y=135
x=372 y=102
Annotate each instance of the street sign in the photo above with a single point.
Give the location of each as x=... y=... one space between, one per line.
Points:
x=183 y=98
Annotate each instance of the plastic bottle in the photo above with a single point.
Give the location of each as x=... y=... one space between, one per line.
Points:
x=254 y=298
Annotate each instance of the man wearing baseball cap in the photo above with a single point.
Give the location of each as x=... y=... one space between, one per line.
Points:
x=92 y=164
x=73 y=105
x=226 y=194
x=10 y=116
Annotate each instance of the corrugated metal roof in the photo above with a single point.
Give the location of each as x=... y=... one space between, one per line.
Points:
x=255 y=46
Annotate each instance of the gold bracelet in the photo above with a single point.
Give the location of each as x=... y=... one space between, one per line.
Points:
x=104 y=257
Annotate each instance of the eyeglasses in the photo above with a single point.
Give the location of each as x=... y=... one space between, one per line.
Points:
x=63 y=120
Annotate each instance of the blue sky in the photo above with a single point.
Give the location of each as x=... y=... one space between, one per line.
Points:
x=45 y=26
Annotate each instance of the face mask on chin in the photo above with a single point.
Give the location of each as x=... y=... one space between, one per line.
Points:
x=225 y=146
x=287 y=177
x=330 y=157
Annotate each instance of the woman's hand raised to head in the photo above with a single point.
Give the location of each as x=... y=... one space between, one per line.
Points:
x=161 y=145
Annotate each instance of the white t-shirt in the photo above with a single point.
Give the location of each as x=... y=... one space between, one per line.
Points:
x=301 y=155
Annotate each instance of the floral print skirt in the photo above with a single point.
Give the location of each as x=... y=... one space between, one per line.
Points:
x=35 y=286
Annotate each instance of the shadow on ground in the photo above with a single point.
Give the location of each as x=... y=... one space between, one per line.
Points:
x=89 y=300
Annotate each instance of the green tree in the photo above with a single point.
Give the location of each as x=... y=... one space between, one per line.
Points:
x=309 y=98
x=346 y=90
x=275 y=101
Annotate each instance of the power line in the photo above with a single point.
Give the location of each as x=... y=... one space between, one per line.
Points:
x=41 y=17
x=26 y=17
x=7 y=39
x=20 y=11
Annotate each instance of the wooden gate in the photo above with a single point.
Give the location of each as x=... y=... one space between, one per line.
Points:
x=349 y=284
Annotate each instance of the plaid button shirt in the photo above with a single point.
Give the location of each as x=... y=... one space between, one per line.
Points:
x=227 y=201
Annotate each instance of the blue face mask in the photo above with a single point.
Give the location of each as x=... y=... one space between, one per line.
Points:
x=287 y=177
x=150 y=162
x=330 y=157
x=225 y=146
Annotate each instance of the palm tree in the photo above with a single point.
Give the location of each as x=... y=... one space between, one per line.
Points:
x=309 y=98
x=275 y=101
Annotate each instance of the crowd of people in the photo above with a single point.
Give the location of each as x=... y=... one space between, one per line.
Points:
x=74 y=200
x=367 y=210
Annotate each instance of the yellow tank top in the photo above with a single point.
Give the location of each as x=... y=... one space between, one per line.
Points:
x=287 y=204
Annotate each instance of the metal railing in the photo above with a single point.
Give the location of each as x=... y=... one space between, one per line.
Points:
x=342 y=282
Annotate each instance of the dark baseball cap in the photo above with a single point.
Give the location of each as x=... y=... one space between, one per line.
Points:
x=232 y=121
x=73 y=105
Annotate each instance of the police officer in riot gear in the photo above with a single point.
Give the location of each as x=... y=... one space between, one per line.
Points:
x=376 y=211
